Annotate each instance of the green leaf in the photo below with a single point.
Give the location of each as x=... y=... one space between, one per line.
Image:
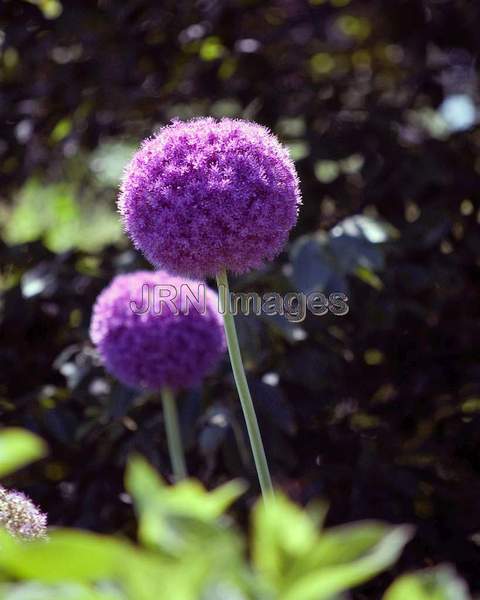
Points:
x=77 y=557
x=211 y=48
x=54 y=213
x=188 y=497
x=67 y=591
x=298 y=563
x=168 y=515
x=282 y=532
x=61 y=130
x=19 y=448
x=369 y=277
x=186 y=524
x=148 y=573
x=51 y=9
x=441 y=583
x=68 y=555
x=27 y=221
x=346 y=557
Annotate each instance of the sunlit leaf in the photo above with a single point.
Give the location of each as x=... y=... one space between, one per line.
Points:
x=300 y=563
x=54 y=213
x=346 y=557
x=61 y=129
x=211 y=48
x=68 y=555
x=282 y=532
x=66 y=591
x=170 y=515
x=51 y=9
x=78 y=557
x=19 y=448
x=441 y=583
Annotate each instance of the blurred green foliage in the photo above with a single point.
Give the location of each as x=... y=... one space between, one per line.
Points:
x=18 y=448
x=76 y=213
x=52 y=214
x=191 y=550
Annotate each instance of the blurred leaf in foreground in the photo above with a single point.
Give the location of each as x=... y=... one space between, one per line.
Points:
x=162 y=509
x=19 y=448
x=301 y=564
x=441 y=583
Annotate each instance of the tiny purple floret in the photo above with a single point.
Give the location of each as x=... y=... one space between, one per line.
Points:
x=150 y=349
x=206 y=195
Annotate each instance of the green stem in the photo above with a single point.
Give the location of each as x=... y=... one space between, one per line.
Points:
x=174 y=439
x=242 y=386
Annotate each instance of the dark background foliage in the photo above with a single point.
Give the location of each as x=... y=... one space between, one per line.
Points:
x=377 y=411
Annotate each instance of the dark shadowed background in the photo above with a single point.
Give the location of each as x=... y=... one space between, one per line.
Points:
x=377 y=411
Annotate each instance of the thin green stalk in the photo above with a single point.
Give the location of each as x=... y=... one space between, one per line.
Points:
x=242 y=387
x=174 y=439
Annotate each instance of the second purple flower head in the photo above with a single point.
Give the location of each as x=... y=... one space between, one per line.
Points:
x=150 y=343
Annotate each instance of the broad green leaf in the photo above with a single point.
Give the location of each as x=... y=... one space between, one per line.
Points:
x=345 y=544
x=282 y=532
x=441 y=583
x=187 y=497
x=347 y=557
x=78 y=557
x=185 y=522
x=298 y=563
x=167 y=512
x=221 y=591
x=67 y=591
x=142 y=482
x=147 y=576
x=18 y=448
x=106 y=564
x=68 y=555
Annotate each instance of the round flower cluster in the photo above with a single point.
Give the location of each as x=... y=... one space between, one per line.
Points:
x=20 y=517
x=156 y=344
x=206 y=195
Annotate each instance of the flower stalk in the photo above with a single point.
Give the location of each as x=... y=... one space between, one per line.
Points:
x=174 y=440
x=242 y=387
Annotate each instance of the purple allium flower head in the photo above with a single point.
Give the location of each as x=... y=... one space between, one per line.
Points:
x=154 y=343
x=20 y=517
x=206 y=194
